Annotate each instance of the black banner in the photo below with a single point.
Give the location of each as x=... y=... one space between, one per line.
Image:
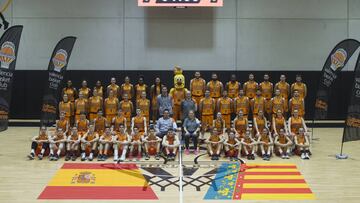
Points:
x=9 y=46
x=57 y=68
x=352 y=124
x=335 y=62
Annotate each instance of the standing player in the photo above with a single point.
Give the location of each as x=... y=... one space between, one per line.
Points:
x=114 y=88
x=41 y=139
x=84 y=90
x=267 y=90
x=250 y=87
x=127 y=88
x=206 y=110
x=67 y=107
x=139 y=122
x=215 y=87
x=233 y=87
x=72 y=146
x=81 y=105
x=296 y=122
x=144 y=105
x=278 y=122
x=155 y=91
x=127 y=108
x=111 y=105
x=299 y=86
x=278 y=103
x=240 y=125
x=220 y=124
x=99 y=89
x=197 y=87
x=70 y=91
x=283 y=144
x=257 y=103
x=297 y=103
x=170 y=143
x=260 y=123
x=82 y=124
x=242 y=103
x=96 y=104
x=120 y=141
x=140 y=87
x=89 y=141
x=119 y=120
x=284 y=87
x=224 y=106
x=214 y=144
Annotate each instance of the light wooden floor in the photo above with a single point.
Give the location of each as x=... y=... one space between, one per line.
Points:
x=331 y=180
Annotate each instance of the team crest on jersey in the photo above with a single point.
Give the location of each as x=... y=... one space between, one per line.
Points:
x=59 y=60
x=85 y=177
x=338 y=59
x=7 y=54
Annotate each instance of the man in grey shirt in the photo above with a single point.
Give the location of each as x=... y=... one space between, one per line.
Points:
x=164 y=124
x=164 y=101
x=191 y=127
x=187 y=105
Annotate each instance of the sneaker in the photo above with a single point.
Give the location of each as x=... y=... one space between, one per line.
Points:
x=130 y=157
x=104 y=158
x=51 y=157
x=187 y=151
x=252 y=157
x=122 y=158
x=196 y=152
x=303 y=156
x=157 y=157
x=138 y=157
x=213 y=158
x=116 y=159
x=91 y=157
x=283 y=156
x=31 y=156
x=83 y=157
x=307 y=156
x=231 y=158
x=287 y=156
x=99 y=158
x=73 y=158
x=56 y=157
x=264 y=157
x=147 y=157
x=67 y=157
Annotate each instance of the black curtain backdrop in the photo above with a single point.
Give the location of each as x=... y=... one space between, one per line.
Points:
x=28 y=86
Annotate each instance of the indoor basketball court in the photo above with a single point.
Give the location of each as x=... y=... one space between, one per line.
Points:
x=179 y=101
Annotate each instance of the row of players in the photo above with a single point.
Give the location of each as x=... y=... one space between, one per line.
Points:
x=89 y=134
x=228 y=99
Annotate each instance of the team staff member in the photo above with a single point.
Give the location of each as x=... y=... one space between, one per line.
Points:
x=191 y=127
x=41 y=139
x=242 y=103
x=250 y=87
x=111 y=105
x=96 y=104
x=197 y=87
x=215 y=87
x=127 y=108
x=127 y=88
x=155 y=91
x=299 y=86
x=164 y=124
x=206 y=110
x=187 y=105
x=81 y=105
x=114 y=88
x=68 y=108
x=224 y=106
x=70 y=91
x=267 y=90
x=140 y=87
x=233 y=87
x=144 y=105
x=84 y=90
x=164 y=101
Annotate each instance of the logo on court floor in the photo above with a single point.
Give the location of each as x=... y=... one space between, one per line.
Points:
x=7 y=54
x=84 y=178
x=338 y=59
x=59 y=60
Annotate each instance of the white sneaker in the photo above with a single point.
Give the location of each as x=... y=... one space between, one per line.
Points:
x=283 y=156
x=122 y=158
x=307 y=156
x=116 y=158
x=287 y=156
x=303 y=156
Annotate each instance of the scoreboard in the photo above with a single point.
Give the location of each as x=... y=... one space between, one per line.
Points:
x=181 y=3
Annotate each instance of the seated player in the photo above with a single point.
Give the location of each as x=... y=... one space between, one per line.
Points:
x=240 y=125
x=232 y=146
x=118 y=120
x=260 y=123
x=63 y=123
x=152 y=144
x=295 y=123
x=139 y=121
x=283 y=144
x=89 y=140
x=170 y=143
x=248 y=145
x=214 y=144
x=82 y=124
x=57 y=144
x=72 y=146
x=40 y=139
x=105 y=142
x=302 y=144
x=191 y=127
x=120 y=142
x=136 y=143
x=265 y=142
x=219 y=124
x=278 y=122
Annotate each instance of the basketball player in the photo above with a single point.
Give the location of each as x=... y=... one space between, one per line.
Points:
x=240 y=125
x=278 y=122
x=197 y=87
x=40 y=139
x=265 y=142
x=257 y=103
x=121 y=142
x=89 y=140
x=283 y=144
x=99 y=89
x=250 y=87
x=70 y=91
x=152 y=144
x=139 y=122
x=127 y=88
x=248 y=145
x=127 y=108
x=242 y=103
x=63 y=123
x=114 y=88
x=144 y=105
x=81 y=105
x=220 y=124
x=299 y=86
x=155 y=91
x=84 y=90
x=105 y=142
x=278 y=103
x=284 y=87
x=72 y=146
x=136 y=143
x=214 y=144
x=267 y=88
x=302 y=144
x=260 y=123
x=57 y=144
x=100 y=123
x=96 y=104
x=215 y=87
x=82 y=124
x=296 y=122
x=111 y=105
x=140 y=87
x=170 y=143
x=67 y=107
x=118 y=120
x=231 y=146
x=206 y=110
x=297 y=103
x=178 y=95
x=224 y=106
x=233 y=87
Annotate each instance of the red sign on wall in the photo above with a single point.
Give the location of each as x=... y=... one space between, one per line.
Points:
x=181 y=3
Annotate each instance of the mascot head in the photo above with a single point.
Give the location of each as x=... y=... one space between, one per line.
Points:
x=179 y=79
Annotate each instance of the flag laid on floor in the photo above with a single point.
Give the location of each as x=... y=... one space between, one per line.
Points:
x=259 y=182
x=98 y=181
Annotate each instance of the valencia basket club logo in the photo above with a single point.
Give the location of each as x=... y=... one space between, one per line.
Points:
x=338 y=59
x=7 y=54
x=59 y=60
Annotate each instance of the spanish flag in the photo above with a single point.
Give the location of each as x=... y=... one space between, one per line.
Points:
x=98 y=181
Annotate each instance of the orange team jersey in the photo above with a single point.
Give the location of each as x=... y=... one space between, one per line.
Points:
x=243 y=104
x=231 y=141
x=85 y=91
x=214 y=138
x=284 y=88
x=95 y=103
x=247 y=140
x=144 y=106
x=136 y=137
x=300 y=139
x=264 y=138
x=219 y=125
x=42 y=136
x=233 y=89
x=258 y=103
x=170 y=139
x=260 y=121
x=300 y=87
x=208 y=105
x=198 y=87
x=266 y=89
x=115 y=88
x=154 y=96
x=118 y=120
x=100 y=124
x=80 y=106
x=91 y=136
x=59 y=136
x=107 y=137
x=70 y=92
x=121 y=136
x=225 y=106
x=278 y=103
x=139 y=123
x=100 y=91
x=111 y=106
x=127 y=89
x=126 y=108
x=62 y=124
x=296 y=124
x=240 y=126
x=82 y=126
x=139 y=90
x=282 y=139
x=279 y=123
x=178 y=95
x=74 y=137
x=250 y=89
x=297 y=104
x=215 y=89
x=67 y=108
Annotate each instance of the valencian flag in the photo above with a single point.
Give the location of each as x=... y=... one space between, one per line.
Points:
x=57 y=68
x=335 y=62
x=352 y=124
x=9 y=46
x=98 y=181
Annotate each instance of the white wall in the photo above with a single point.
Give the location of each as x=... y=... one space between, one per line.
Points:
x=243 y=35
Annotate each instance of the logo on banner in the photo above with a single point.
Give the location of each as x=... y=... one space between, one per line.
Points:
x=84 y=177
x=7 y=54
x=59 y=60
x=338 y=59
